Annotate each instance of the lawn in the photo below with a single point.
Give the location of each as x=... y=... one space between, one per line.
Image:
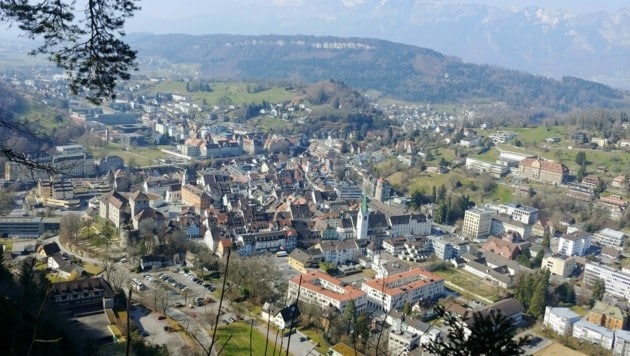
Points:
x=236 y=93
x=8 y=244
x=239 y=341
x=92 y=269
x=317 y=338
x=470 y=282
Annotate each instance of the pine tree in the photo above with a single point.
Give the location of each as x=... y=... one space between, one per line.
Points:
x=538 y=302
x=491 y=334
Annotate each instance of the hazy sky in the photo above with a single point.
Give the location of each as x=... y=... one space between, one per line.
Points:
x=266 y=16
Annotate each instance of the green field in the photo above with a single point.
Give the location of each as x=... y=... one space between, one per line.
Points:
x=471 y=283
x=236 y=93
x=238 y=344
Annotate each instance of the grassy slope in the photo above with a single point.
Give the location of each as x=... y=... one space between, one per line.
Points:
x=237 y=92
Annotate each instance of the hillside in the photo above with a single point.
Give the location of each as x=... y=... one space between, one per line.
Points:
x=396 y=70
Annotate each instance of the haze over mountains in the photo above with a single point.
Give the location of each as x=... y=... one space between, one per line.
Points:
x=589 y=45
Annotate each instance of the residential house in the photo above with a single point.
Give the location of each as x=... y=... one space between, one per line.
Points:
x=505 y=248
x=64 y=268
x=49 y=249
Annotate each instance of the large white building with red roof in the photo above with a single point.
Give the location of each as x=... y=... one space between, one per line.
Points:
x=324 y=291
x=411 y=286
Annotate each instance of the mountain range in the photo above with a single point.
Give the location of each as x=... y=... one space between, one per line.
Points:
x=580 y=42
x=395 y=70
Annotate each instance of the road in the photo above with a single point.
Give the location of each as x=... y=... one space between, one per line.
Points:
x=64 y=249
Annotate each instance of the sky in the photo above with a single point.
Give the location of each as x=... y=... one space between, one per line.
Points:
x=254 y=17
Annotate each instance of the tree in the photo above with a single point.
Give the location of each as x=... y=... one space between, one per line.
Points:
x=491 y=334
x=580 y=158
x=89 y=48
x=69 y=227
x=599 y=288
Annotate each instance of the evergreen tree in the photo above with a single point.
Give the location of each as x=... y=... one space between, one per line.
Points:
x=580 y=158
x=538 y=302
x=599 y=288
x=491 y=334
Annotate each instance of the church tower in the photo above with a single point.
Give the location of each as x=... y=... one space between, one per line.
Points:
x=363 y=220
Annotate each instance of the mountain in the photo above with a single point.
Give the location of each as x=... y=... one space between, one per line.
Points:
x=396 y=70
x=510 y=34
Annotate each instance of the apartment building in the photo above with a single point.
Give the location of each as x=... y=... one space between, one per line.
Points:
x=323 y=290
x=409 y=286
x=477 y=223
x=617 y=281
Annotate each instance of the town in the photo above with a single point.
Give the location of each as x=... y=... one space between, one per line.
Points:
x=184 y=219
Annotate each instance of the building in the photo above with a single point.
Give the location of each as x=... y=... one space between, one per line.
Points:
x=18 y=226
x=410 y=224
x=195 y=197
x=505 y=248
x=608 y=316
x=509 y=307
x=621 y=346
x=560 y=320
x=266 y=241
x=383 y=190
x=341 y=349
x=410 y=286
x=477 y=223
x=593 y=333
x=524 y=214
x=543 y=170
x=482 y=167
x=502 y=224
x=559 y=264
x=339 y=252
x=82 y=295
x=609 y=237
x=617 y=282
x=574 y=244
x=323 y=290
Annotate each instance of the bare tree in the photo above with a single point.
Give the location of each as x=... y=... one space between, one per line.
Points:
x=69 y=227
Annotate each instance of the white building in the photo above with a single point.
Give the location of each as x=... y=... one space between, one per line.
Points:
x=617 y=282
x=518 y=212
x=621 y=347
x=609 y=237
x=574 y=244
x=477 y=223
x=411 y=286
x=560 y=320
x=410 y=224
x=592 y=333
x=323 y=290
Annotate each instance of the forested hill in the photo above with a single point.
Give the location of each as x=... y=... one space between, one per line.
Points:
x=401 y=71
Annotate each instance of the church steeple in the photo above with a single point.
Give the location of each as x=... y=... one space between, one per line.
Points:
x=363 y=218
